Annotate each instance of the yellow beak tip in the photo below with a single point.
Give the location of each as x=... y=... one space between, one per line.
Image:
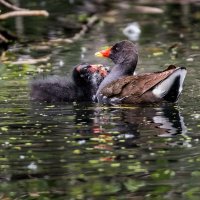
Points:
x=98 y=54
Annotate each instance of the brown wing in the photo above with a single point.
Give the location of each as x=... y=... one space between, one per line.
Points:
x=134 y=88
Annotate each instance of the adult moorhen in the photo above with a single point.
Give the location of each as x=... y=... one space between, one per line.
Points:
x=82 y=86
x=120 y=86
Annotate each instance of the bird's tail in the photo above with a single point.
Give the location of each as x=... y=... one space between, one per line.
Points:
x=170 y=88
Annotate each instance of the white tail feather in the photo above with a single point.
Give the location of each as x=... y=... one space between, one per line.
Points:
x=163 y=87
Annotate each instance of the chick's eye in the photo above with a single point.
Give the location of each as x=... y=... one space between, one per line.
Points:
x=84 y=69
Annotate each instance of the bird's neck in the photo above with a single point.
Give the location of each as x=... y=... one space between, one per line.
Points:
x=117 y=72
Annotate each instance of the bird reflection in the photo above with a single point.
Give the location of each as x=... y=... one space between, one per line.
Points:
x=170 y=121
x=165 y=120
x=127 y=122
x=130 y=127
x=108 y=129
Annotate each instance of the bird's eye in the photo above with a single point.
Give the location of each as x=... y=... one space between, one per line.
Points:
x=116 y=48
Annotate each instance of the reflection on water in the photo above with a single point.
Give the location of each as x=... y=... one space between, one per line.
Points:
x=164 y=119
x=80 y=150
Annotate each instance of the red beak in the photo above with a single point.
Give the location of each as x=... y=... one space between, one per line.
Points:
x=104 y=53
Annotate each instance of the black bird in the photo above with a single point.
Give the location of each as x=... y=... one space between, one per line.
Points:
x=81 y=87
x=121 y=86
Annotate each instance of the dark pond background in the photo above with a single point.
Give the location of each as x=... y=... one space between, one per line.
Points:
x=90 y=151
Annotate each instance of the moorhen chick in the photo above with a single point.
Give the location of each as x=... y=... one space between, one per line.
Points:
x=120 y=86
x=81 y=87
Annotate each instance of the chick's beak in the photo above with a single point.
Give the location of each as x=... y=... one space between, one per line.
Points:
x=103 y=53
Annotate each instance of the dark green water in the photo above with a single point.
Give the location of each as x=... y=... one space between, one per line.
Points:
x=89 y=151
